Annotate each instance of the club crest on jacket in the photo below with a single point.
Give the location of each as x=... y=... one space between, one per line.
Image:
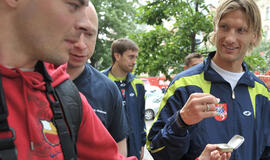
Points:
x=222 y=111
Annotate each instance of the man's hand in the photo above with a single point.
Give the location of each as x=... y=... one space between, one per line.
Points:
x=142 y=153
x=210 y=152
x=198 y=107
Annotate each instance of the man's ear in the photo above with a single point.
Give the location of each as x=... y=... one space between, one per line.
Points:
x=12 y=3
x=116 y=56
x=254 y=38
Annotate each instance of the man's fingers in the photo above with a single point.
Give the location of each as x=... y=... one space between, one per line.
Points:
x=223 y=157
x=203 y=99
x=208 y=107
x=211 y=147
x=199 y=94
x=198 y=107
x=209 y=114
x=214 y=155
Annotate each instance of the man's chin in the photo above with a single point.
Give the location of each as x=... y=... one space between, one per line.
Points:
x=74 y=65
x=130 y=70
x=57 y=61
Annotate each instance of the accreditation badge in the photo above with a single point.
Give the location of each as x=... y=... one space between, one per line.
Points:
x=49 y=132
x=222 y=111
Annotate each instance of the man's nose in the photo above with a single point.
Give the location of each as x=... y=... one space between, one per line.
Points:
x=81 y=45
x=230 y=37
x=134 y=62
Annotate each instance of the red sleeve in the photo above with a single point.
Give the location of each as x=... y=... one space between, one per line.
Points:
x=94 y=141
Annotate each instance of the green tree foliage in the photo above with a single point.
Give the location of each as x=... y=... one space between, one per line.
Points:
x=259 y=58
x=116 y=20
x=162 y=49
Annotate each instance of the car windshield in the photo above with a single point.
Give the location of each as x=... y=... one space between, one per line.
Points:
x=153 y=91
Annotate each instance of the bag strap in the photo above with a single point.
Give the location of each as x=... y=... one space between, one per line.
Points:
x=58 y=116
x=66 y=142
x=71 y=103
x=8 y=150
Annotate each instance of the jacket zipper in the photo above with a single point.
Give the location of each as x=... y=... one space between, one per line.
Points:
x=233 y=95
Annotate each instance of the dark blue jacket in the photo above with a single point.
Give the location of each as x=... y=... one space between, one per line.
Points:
x=246 y=113
x=135 y=106
x=105 y=99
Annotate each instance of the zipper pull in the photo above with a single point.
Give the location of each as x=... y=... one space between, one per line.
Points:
x=32 y=145
x=233 y=96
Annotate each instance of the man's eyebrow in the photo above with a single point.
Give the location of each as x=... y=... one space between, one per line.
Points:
x=82 y=2
x=92 y=30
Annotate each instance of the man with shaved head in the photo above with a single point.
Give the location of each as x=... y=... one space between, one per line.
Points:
x=219 y=98
x=102 y=94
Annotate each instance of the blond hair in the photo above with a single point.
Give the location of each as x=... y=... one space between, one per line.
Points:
x=250 y=8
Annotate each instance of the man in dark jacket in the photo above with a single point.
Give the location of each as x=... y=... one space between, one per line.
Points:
x=101 y=93
x=124 y=53
x=191 y=116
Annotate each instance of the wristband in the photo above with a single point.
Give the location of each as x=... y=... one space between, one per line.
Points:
x=180 y=121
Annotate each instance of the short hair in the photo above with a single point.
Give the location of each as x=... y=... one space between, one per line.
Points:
x=252 y=11
x=121 y=45
x=189 y=57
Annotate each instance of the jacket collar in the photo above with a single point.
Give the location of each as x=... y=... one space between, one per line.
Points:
x=213 y=76
x=129 y=78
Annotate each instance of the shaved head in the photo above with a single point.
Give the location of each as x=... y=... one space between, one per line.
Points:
x=85 y=47
x=92 y=14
